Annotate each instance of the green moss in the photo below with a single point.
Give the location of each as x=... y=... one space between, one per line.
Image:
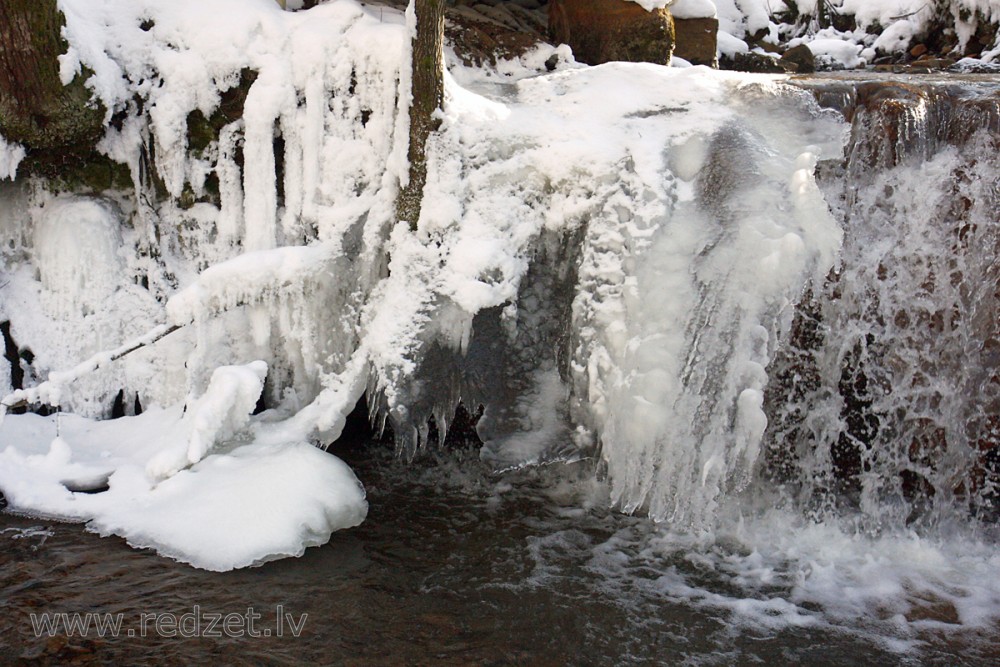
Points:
x=55 y=123
x=187 y=198
x=200 y=132
x=96 y=174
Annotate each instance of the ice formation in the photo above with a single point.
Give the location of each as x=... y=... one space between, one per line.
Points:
x=608 y=260
x=533 y=285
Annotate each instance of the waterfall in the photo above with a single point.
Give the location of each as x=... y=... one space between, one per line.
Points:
x=886 y=398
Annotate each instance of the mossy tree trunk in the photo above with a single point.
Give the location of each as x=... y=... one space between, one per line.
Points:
x=428 y=95
x=57 y=124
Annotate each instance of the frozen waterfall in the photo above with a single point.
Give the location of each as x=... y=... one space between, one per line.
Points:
x=628 y=263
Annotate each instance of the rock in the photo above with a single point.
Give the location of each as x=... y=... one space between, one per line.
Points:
x=918 y=50
x=756 y=63
x=765 y=45
x=530 y=20
x=934 y=63
x=695 y=40
x=478 y=40
x=801 y=57
x=601 y=31
x=500 y=14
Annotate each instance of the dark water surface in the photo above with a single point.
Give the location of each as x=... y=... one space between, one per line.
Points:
x=445 y=571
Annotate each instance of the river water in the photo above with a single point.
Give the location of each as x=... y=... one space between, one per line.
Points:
x=454 y=566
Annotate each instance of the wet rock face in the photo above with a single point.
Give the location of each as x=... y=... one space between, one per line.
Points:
x=695 y=40
x=892 y=368
x=601 y=31
x=894 y=120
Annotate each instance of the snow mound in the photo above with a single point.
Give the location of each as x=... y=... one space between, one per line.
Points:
x=217 y=416
x=846 y=54
x=239 y=507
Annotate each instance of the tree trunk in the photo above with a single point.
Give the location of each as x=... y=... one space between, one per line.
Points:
x=428 y=95
x=56 y=124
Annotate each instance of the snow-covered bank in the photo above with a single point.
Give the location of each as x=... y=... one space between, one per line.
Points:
x=852 y=33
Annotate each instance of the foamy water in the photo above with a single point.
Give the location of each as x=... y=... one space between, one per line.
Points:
x=462 y=567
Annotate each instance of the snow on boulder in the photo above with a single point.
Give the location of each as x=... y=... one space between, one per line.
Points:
x=696 y=28
x=829 y=51
x=693 y=9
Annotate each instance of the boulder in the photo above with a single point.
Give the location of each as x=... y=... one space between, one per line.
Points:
x=601 y=31
x=755 y=63
x=801 y=57
x=695 y=40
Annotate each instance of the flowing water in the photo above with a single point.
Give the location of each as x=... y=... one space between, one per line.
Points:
x=453 y=567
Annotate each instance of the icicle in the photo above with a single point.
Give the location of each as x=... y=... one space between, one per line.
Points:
x=230 y=222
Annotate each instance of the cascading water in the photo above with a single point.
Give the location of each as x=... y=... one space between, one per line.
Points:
x=886 y=399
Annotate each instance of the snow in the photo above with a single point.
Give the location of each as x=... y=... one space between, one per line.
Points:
x=514 y=167
x=89 y=278
x=846 y=54
x=239 y=507
x=650 y=5
x=729 y=46
x=681 y=9
x=216 y=417
x=882 y=26
x=10 y=157
x=296 y=290
x=692 y=9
